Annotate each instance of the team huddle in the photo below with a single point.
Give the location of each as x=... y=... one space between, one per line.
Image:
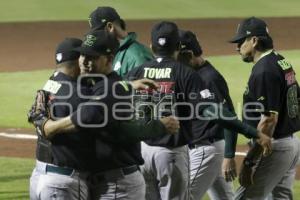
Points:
x=117 y=120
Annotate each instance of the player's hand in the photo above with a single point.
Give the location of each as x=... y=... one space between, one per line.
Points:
x=171 y=124
x=229 y=169
x=143 y=84
x=265 y=142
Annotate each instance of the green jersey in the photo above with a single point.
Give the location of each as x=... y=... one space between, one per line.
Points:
x=130 y=54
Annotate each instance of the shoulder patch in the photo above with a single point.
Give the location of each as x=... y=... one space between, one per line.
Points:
x=52 y=86
x=284 y=64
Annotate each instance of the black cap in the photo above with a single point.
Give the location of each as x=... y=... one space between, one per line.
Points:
x=188 y=41
x=99 y=17
x=98 y=43
x=165 y=37
x=250 y=27
x=66 y=50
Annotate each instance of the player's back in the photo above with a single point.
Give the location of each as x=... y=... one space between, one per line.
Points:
x=178 y=94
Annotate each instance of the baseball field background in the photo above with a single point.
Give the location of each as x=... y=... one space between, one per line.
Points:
x=30 y=30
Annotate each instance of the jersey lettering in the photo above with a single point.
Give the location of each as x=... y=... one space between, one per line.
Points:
x=157 y=73
x=52 y=86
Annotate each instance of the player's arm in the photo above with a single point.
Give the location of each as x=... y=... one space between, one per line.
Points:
x=137 y=130
x=267 y=125
x=229 y=120
x=133 y=130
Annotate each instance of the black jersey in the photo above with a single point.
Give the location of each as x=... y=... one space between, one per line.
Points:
x=272 y=87
x=100 y=111
x=216 y=83
x=180 y=91
x=69 y=150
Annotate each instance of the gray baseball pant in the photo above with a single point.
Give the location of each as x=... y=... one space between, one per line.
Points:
x=205 y=167
x=275 y=173
x=220 y=189
x=166 y=172
x=114 y=185
x=48 y=185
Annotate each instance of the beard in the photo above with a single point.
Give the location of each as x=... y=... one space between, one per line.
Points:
x=248 y=58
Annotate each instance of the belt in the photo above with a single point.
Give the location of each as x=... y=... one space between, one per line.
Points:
x=199 y=143
x=283 y=136
x=130 y=169
x=113 y=174
x=213 y=140
x=59 y=170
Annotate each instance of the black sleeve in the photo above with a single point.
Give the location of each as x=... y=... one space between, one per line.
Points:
x=224 y=91
x=267 y=87
x=135 y=131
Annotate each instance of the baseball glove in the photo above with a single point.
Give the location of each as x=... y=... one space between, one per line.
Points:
x=249 y=164
x=39 y=112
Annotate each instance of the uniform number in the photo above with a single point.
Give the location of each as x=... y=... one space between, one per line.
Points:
x=292 y=102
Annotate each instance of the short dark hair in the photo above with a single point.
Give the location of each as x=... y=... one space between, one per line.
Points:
x=122 y=24
x=264 y=43
x=185 y=57
x=69 y=64
x=167 y=52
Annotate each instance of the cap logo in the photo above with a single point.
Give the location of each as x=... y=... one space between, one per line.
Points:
x=108 y=50
x=161 y=41
x=103 y=20
x=183 y=46
x=59 y=57
x=248 y=32
x=90 y=40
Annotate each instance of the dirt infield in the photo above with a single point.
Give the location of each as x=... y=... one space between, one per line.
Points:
x=27 y=46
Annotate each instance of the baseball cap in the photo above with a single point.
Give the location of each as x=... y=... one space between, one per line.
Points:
x=99 y=17
x=66 y=50
x=250 y=27
x=98 y=43
x=165 y=37
x=188 y=41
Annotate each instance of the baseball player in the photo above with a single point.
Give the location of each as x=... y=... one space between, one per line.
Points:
x=206 y=157
x=181 y=91
x=62 y=162
x=131 y=53
x=270 y=103
x=115 y=173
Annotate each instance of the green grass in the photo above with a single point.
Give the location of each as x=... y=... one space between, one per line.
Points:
x=40 y=10
x=18 y=90
x=14 y=178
